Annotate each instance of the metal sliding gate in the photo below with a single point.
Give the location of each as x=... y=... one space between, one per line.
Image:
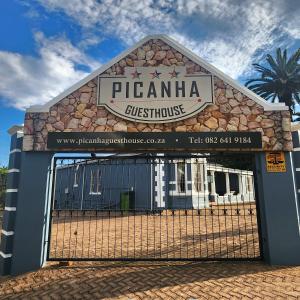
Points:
x=154 y=207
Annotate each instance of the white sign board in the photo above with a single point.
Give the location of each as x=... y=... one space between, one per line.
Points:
x=155 y=95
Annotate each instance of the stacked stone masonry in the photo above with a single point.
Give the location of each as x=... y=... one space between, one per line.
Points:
x=232 y=110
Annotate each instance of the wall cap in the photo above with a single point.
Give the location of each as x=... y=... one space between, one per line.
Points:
x=16 y=129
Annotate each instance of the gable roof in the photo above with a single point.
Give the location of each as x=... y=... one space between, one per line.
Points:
x=189 y=54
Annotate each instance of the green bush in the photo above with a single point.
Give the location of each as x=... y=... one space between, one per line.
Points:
x=3 y=178
x=2 y=199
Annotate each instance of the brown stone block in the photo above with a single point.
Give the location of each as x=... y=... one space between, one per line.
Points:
x=149 y=55
x=267 y=123
x=132 y=129
x=191 y=121
x=253 y=125
x=129 y=62
x=226 y=108
x=217 y=114
x=181 y=128
x=288 y=146
x=139 y=63
x=269 y=132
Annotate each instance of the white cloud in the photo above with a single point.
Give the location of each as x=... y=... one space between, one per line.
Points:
x=218 y=9
x=129 y=20
x=27 y=80
x=293 y=27
x=238 y=29
x=233 y=53
x=227 y=33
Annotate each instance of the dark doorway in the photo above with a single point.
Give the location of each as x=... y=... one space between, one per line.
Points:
x=220 y=183
x=234 y=183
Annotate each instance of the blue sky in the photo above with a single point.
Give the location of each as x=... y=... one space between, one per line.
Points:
x=48 y=45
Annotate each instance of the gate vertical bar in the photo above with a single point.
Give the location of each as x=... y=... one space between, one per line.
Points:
x=51 y=205
x=256 y=173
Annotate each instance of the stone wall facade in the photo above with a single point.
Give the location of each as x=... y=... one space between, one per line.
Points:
x=232 y=111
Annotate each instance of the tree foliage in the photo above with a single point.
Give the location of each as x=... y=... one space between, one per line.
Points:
x=280 y=81
x=3 y=170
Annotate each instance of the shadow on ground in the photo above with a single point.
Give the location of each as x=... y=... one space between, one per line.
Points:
x=95 y=280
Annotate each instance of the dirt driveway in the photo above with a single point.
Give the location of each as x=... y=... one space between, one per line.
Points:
x=156 y=281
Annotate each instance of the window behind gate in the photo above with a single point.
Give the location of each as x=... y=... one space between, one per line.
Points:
x=197 y=176
x=181 y=177
x=76 y=176
x=95 y=182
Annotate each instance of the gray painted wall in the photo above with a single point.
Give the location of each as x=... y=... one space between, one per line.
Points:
x=279 y=213
x=116 y=176
x=11 y=199
x=30 y=215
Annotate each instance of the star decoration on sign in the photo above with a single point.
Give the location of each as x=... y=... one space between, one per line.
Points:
x=135 y=74
x=174 y=74
x=155 y=74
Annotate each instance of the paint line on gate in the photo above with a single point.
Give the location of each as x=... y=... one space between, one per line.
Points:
x=11 y=190
x=10 y=208
x=7 y=233
x=13 y=171
x=15 y=150
x=5 y=255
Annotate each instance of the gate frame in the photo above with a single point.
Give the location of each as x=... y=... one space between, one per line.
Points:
x=51 y=195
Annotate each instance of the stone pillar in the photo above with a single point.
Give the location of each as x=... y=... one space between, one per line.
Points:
x=278 y=213
x=11 y=199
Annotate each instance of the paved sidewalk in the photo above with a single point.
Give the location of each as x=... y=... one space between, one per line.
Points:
x=245 y=280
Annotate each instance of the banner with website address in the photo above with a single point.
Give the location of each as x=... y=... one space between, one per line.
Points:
x=154 y=140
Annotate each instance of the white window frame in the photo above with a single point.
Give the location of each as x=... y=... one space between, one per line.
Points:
x=98 y=179
x=176 y=178
x=249 y=183
x=195 y=166
x=75 y=177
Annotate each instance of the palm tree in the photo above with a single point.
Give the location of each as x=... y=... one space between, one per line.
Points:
x=280 y=82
